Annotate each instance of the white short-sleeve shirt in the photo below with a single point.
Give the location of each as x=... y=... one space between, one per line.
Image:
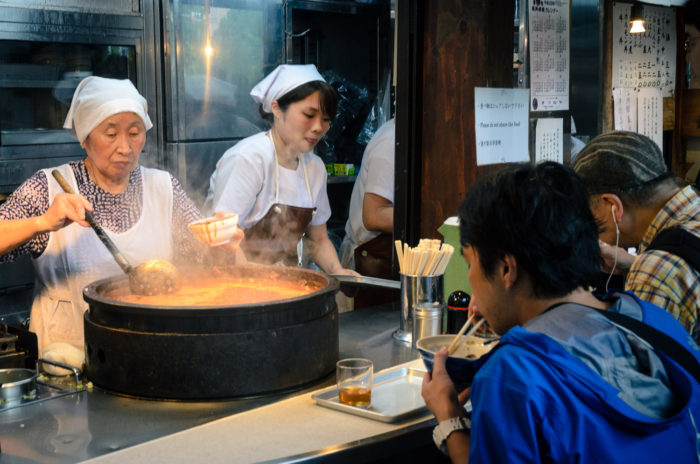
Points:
x=377 y=177
x=244 y=182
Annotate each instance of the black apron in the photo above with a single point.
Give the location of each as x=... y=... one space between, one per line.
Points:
x=374 y=259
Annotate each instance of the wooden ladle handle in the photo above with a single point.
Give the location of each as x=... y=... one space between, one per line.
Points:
x=118 y=257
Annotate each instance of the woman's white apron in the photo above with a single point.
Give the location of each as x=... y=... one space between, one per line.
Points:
x=75 y=257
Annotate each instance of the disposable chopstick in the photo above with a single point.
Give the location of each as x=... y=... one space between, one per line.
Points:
x=432 y=253
x=473 y=330
x=399 y=254
x=453 y=345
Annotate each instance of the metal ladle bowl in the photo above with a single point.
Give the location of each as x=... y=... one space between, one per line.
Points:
x=152 y=277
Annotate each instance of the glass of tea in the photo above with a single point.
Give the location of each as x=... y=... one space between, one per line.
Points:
x=354 y=377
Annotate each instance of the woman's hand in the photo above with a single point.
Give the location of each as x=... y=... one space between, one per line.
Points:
x=235 y=241
x=344 y=271
x=608 y=253
x=439 y=391
x=64 y=209
x=234 y=253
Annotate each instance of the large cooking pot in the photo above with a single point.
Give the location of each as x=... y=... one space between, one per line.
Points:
x=221 y=351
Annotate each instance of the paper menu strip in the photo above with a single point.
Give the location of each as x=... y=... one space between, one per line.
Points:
x=640 y=111
x=549 y=140
x=625 y=109
x=650 y=111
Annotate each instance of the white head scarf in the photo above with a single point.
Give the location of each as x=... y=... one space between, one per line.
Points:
x=284 y=78
x=97 y=98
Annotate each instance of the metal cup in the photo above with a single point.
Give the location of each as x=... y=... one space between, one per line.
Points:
x=427 y=320
x=416 y=289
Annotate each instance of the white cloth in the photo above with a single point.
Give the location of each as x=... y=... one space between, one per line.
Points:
x=377 y=177
x=244 y=182
x=284 y=78
x=97 y=98
x=75 y=257
x=63 y=353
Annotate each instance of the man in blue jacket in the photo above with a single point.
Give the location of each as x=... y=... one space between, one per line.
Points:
x=565 y=383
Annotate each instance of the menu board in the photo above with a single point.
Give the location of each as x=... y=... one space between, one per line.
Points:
x=647 y=59
x=548 y=28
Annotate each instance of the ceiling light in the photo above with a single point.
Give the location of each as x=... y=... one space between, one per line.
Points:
x=636 y=19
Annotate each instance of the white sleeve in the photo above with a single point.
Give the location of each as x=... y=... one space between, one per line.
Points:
x=319 y=182
x=380 y=170
x=242 y=186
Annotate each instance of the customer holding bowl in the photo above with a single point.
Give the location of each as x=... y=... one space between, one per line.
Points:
x=144 y=211
x=565 y=383
x=273 y=180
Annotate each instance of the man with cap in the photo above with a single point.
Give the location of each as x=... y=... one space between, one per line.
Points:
x=634 y=198
x=273 y=180
x=144 y=211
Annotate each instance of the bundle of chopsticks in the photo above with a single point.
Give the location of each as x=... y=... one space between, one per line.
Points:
x=427 y=259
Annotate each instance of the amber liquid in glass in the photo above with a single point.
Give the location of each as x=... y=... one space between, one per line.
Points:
x=355 y=396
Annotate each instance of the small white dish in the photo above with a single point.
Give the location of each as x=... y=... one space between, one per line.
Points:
x=215 y=231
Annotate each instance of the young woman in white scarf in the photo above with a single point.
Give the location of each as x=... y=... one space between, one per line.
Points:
x=274 y=181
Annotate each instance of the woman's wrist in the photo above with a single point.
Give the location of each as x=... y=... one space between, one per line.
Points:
x=39 y=225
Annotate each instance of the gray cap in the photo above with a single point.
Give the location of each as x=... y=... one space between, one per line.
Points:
x=619 y=161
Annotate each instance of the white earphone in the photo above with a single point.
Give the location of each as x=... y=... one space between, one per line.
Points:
x=613 y=210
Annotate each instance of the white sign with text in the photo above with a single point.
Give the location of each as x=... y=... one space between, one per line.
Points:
x=501 y=118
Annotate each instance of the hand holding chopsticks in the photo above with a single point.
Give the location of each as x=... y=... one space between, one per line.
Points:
x=455 y=342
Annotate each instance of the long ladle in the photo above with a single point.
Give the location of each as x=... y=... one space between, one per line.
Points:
x=153 y=277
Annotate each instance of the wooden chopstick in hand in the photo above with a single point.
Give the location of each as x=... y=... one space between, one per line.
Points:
x=453 y=346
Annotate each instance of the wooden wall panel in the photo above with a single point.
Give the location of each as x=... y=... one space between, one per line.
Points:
x=466 y=44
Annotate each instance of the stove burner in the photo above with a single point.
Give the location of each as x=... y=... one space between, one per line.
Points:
x=18 y=348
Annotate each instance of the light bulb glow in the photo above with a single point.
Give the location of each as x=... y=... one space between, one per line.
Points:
x=208 y=51
x=637 y=26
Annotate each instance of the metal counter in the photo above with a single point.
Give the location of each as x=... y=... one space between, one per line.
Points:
x=89 y=424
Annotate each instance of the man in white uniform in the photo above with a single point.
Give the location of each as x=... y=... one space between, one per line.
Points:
x=369 y=216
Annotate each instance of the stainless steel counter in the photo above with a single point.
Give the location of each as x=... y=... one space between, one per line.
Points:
x=89 y=424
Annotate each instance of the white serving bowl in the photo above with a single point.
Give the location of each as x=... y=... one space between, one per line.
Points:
x=215 y=231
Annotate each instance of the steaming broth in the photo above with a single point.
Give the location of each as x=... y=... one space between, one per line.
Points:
x=225 y=291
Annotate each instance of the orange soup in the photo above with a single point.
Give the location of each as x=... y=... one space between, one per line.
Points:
x=224 y=291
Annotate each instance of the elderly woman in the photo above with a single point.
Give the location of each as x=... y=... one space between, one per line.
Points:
x=273 y=180
x=145 y=212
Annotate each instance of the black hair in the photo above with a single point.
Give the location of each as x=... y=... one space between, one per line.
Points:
x=691 y=13
x=628 y=164
x=541 y=216
x=328 y=98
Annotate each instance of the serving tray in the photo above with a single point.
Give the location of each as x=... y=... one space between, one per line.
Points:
x=395 y=396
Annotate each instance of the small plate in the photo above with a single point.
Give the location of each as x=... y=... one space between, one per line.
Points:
x=395 y=396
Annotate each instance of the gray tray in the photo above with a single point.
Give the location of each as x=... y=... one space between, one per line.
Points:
x=395 y=396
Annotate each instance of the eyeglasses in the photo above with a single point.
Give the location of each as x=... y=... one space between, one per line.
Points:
x=690 y=43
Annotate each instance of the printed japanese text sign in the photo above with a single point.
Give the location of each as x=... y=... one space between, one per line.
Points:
x=549 y=140
x=501 y=117
x=647 y=59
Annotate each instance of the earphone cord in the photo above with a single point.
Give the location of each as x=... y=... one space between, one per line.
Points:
x=612 y=271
